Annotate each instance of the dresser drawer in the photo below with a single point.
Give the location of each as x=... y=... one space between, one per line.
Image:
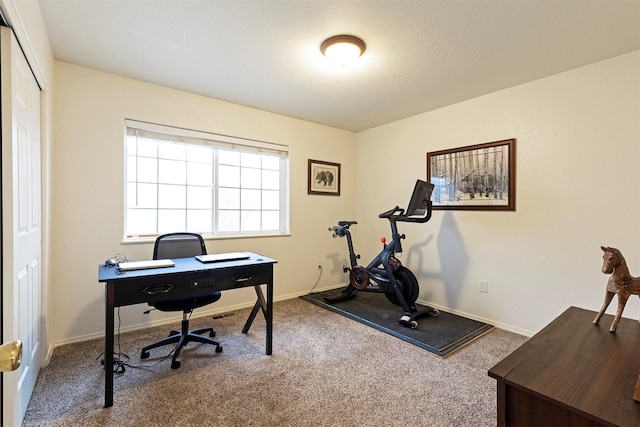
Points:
x=170 y=286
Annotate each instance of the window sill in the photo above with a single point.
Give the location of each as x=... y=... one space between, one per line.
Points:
x=138 y=240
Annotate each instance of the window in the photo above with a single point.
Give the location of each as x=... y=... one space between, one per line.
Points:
x=183 y=180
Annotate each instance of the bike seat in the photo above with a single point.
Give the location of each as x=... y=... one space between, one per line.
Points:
x=346 y=224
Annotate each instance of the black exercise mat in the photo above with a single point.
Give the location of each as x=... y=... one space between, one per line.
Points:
x=439 y=334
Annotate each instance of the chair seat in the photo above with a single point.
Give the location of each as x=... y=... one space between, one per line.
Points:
x=187 y=303
x=182 y=245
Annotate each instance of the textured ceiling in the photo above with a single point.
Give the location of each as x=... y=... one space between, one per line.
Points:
x=421 y=55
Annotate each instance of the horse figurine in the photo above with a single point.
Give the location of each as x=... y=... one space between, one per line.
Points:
x=620 y=282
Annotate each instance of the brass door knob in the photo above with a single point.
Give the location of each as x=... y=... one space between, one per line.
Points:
x=10 y=356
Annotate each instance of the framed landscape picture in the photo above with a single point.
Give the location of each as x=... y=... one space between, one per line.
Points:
x=476 y=177
x=324 y=178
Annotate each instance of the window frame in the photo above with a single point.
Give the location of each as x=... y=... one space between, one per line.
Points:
x=216 y=142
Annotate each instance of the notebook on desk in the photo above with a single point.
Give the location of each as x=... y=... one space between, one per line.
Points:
x=231 y=256
x=141 y=265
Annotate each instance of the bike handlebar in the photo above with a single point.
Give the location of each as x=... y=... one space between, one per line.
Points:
x=340 y=229
x=390 y=215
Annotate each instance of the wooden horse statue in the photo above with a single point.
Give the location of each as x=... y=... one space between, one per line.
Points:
x=620 y=282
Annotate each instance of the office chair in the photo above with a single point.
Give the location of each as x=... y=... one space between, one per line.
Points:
x=182 y=245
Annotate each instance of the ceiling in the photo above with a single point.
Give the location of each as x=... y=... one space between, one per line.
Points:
x=421 y=55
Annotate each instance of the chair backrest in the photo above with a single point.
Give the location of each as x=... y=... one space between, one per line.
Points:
x=179 y=245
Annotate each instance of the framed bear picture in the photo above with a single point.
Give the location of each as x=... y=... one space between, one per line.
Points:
x=324 y=178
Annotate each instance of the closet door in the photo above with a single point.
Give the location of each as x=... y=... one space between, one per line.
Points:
x=21 y=223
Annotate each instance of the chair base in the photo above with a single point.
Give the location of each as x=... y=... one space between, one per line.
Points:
x=182 y=338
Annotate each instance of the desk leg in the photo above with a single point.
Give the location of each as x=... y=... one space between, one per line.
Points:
x=108 y=345
x=254 y=311
x=269 y=318
x=267 y=310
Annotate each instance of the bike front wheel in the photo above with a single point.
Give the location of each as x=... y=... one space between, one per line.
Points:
x=408 y=285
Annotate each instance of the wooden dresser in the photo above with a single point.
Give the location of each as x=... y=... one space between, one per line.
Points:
x=572 y=373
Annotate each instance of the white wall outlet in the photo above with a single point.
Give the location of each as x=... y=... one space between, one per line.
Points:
x=484 y=286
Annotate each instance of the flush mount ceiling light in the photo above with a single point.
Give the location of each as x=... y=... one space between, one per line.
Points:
x=343 y=49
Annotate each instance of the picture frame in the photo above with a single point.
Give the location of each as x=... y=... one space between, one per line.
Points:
x=324 y=178
x=475 y=177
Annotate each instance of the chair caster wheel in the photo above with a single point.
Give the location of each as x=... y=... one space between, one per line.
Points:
x=175 y=364
x=144 y=355
x=172 y=333
x=212 y=334
x=219 y=349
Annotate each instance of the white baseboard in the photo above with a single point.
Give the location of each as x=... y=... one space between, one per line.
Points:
x=203 y=312
x=498 y=325
x=227 y=309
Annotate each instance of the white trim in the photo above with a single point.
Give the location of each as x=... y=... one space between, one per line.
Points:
x=15 y=21
x=499 y=325
x=155 y=130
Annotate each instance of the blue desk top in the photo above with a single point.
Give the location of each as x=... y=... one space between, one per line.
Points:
x=182 y=265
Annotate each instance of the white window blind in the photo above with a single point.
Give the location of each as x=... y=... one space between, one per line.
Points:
x=184 y=180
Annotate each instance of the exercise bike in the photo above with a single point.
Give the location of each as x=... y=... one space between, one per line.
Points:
x=385 y=273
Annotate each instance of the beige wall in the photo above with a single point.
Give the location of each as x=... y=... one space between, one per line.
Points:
x=578 y=187
x=88 y=162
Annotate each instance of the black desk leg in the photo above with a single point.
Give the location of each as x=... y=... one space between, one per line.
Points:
x=254 y=311
x=267 y=310
x=269 y=318
x=108 y=346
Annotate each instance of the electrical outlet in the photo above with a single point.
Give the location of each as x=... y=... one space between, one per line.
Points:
x=484 y=286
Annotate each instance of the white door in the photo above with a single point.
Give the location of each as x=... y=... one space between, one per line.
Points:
x=21 y=223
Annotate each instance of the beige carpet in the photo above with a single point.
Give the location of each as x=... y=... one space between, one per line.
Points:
x=326 y=370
